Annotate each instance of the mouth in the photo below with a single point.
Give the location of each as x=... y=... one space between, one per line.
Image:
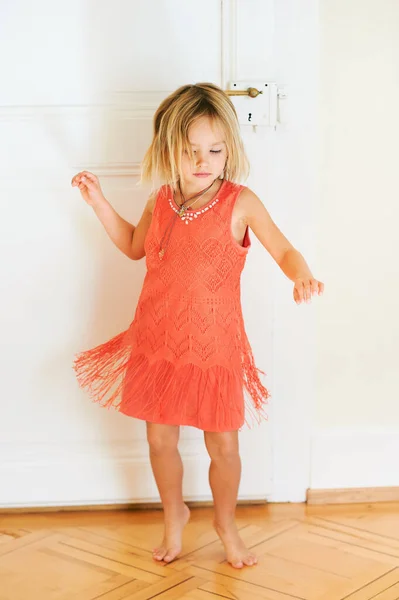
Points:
x=202 y=174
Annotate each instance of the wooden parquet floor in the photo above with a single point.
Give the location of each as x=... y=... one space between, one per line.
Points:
x=305 y=552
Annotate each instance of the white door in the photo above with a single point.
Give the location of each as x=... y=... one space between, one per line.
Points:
x=83 y=86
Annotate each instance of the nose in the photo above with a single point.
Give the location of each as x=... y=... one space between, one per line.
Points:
x=200 y=160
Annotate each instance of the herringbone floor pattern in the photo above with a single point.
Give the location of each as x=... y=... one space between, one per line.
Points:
x=347 y=552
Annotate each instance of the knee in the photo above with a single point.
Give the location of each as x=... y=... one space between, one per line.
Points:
x=222 y=447
x=161 y=440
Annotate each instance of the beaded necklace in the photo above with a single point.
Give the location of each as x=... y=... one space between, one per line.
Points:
x=181 y=212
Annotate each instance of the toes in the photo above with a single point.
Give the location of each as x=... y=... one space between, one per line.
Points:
x=165 y=555
x=247 y=561
x=237 y=564
x=250 y=560
x=159 y=554
x=158 y=557
x=169 y=556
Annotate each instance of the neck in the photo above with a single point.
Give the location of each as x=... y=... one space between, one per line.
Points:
x=189 y=190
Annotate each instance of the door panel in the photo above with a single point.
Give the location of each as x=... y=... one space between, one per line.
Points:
x=83 y=96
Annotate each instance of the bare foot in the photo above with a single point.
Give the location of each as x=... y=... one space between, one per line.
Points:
x=172 y=539
x=236 y=552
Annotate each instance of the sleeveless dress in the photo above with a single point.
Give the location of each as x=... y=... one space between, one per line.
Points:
x=185 y=358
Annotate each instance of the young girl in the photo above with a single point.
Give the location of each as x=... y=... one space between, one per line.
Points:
x=185 y=359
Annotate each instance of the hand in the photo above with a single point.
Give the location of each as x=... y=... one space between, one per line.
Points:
x=89 y=187
x=305 y=287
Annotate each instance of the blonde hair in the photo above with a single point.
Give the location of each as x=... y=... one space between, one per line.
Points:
x=172 y=120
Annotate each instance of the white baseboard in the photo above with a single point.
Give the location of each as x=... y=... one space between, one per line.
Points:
x=51 y=475
x=95 y=474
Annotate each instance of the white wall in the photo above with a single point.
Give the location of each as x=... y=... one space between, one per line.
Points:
x=356 y=413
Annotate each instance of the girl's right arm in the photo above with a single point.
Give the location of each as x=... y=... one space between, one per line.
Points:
x=127 y=237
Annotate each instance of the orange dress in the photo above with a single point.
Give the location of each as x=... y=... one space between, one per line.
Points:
x=185 y=358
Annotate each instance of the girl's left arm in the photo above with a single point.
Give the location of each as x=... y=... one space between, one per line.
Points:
x=291 y=262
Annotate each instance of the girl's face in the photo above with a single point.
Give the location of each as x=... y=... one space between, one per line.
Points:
x=210 y=154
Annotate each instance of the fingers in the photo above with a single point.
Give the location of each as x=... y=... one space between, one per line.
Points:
x=84 y=177
x=304 y=289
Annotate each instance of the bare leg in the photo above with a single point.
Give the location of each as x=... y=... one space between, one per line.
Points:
x=168 y=472
x=224 y=479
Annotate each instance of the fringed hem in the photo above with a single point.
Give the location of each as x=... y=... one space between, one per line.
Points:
x=212 y=399
x=256 y=397
x=101 y=370
x=257 y=394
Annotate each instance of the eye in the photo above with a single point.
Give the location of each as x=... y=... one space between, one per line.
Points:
x=215 y=151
